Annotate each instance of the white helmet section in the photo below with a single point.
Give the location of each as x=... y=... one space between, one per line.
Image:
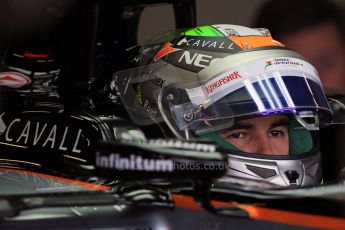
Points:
x=231 y=30
x=224 y=80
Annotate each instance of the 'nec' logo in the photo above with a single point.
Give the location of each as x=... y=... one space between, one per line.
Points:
x=200 y=60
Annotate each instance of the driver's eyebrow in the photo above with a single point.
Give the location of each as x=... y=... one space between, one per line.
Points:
x=240 y=125
x=281 y=122
x=284 y=121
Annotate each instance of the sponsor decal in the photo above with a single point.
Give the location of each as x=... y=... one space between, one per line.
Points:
x=263 y=31
x=282 y=61
x=14 y=79
x=207 y=43
x=268 y=63
x=28 y=132
x=133 y=162
x=235 y=30
x=229 y=31
x=35 y=56
x=165 y=50
x=225 y=80
x=196 y=59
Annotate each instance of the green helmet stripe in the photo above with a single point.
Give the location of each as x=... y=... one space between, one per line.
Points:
x=203 y=31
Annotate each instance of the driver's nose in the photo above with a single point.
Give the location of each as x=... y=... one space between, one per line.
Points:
x=264 y=146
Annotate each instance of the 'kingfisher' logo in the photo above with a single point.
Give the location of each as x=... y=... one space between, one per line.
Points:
x=225 y=80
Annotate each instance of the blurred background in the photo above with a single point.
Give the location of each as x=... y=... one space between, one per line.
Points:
x=242 y=12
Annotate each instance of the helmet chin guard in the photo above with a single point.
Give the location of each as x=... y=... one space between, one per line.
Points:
x=304 y=170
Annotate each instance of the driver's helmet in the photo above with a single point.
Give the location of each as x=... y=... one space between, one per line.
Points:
x=205 y=79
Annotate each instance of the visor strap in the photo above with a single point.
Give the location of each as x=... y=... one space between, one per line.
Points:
x=309 y=126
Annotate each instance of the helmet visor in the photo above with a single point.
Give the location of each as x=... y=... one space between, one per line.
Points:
x=268 y=94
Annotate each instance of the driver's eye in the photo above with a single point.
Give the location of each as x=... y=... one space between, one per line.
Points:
x=277 y=133
x=236 y=135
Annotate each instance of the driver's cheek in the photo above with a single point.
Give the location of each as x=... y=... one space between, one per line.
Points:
x=249 y=144
x=279 y=145
x=241 y=143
